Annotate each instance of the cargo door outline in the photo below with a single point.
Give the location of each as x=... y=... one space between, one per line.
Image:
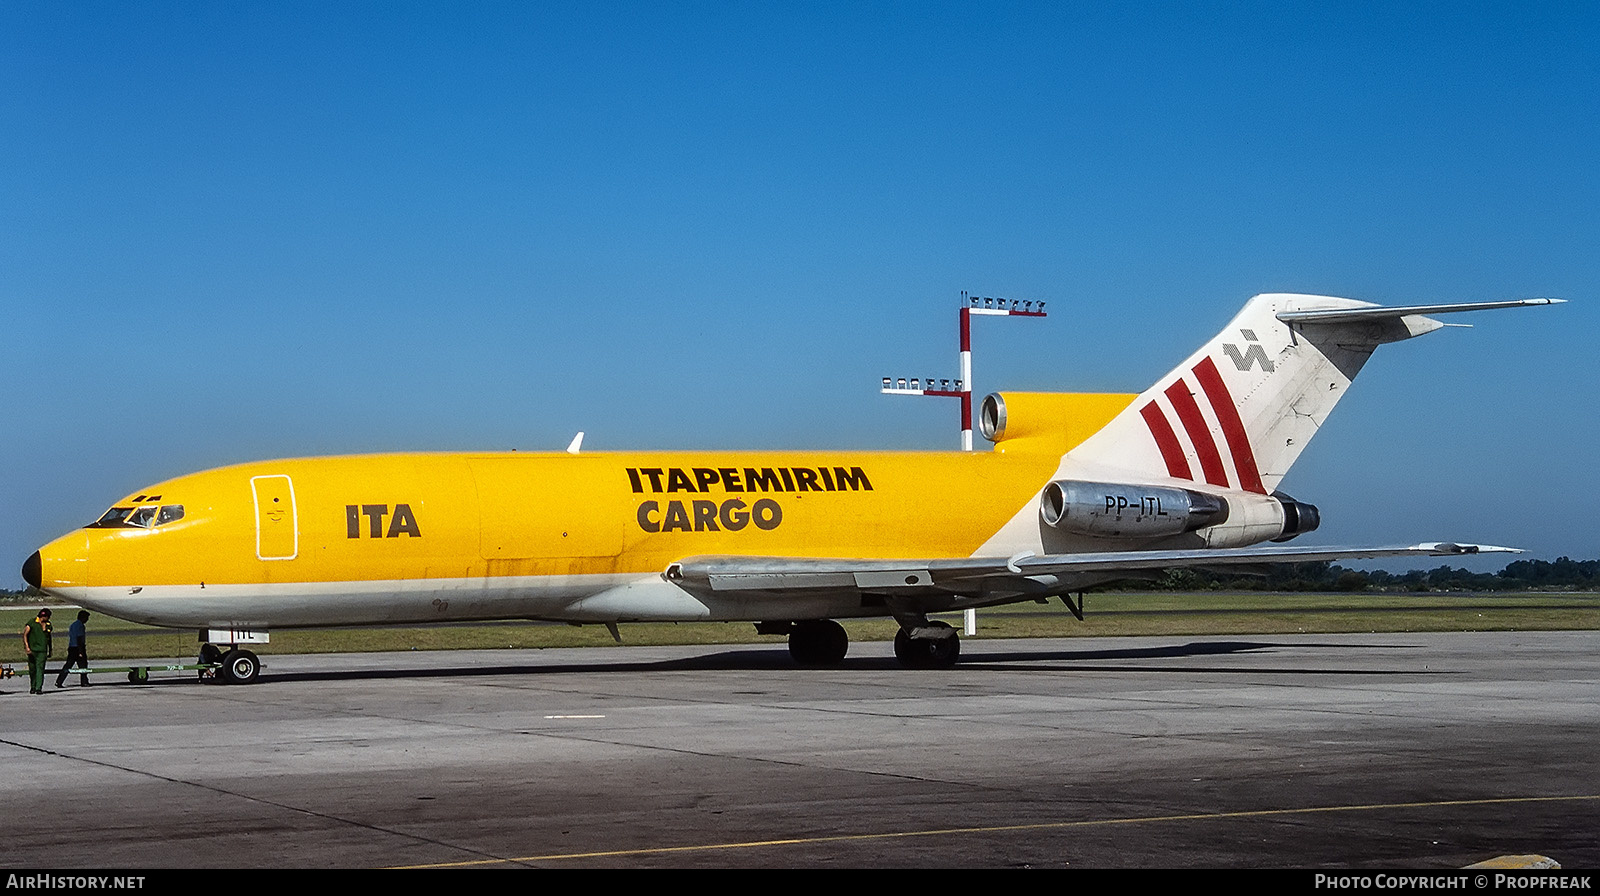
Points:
x=538 y=509
x=277 y=523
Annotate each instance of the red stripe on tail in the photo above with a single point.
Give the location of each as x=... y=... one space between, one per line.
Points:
x=1199 y=433
x=1167 y=441
x=1244 y=460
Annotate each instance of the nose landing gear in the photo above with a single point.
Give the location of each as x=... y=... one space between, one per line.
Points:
x=236 y=665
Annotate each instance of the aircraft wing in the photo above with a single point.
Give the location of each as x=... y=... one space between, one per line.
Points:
x=1020 y=576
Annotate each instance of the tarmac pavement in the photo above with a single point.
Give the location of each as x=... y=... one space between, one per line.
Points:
x=1428 y=751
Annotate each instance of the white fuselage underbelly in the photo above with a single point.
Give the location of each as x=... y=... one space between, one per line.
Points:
x=578 y=598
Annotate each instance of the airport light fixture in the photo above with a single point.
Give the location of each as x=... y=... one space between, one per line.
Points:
x=962 y=387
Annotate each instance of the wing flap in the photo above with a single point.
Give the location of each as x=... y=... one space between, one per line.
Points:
x=1022 y=575
x=779 y=581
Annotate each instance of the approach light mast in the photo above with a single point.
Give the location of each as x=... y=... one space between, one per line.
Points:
x=962 y=387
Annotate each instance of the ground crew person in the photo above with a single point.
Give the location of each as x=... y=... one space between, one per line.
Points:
x=77 y=650
x=36 y=641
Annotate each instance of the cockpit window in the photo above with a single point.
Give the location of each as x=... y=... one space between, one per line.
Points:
x=116 y=516
x=144 y=517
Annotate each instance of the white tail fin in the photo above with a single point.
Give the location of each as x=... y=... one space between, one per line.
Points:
x=1239 y=411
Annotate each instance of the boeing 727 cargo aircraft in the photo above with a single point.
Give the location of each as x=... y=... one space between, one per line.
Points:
x=1079 y=490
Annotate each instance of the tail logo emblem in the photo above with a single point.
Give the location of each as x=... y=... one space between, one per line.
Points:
x=1244 y=360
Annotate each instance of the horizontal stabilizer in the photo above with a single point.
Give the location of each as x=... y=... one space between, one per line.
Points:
x=1380 y=312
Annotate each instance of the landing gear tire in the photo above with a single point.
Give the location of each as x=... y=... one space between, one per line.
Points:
x=927 y=653
x=240 y=667
x=818 y=642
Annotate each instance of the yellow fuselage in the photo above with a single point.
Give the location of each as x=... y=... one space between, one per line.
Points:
x=581 y=537
x=409 y=516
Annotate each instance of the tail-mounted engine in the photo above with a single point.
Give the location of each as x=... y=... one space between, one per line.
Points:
x=1114 y=510
x=1120 y=510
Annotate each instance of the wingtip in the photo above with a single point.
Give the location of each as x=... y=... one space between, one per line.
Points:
x=1450 y=548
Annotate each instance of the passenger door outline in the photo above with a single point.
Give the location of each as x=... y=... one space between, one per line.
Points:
x=277 y=524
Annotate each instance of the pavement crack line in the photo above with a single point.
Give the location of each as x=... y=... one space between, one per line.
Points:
x=222 y=791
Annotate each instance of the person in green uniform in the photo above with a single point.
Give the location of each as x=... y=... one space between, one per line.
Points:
x=36 y=641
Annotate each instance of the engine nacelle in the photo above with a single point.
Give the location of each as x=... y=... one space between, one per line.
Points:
x=1119 y=510
x=1253 y=519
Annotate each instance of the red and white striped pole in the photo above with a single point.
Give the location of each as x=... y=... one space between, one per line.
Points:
x=966 y=376
x=962 y=389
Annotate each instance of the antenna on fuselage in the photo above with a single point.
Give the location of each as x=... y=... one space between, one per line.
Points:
x=577 y=443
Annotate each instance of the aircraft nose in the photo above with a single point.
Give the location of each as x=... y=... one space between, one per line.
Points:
x=63 y=563
x=31 y=569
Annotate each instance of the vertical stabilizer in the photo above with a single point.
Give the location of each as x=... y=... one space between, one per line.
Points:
x=1237 y=413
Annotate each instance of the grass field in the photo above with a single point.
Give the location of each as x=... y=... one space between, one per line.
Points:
x=1109 y=614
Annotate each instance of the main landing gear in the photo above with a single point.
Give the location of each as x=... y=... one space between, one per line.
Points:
x=818 y=642
x=237 y=665
x=815 y=643
x=934 y=645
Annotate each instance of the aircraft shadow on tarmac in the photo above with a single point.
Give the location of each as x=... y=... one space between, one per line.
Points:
x=1132 y=659
x=988 y=659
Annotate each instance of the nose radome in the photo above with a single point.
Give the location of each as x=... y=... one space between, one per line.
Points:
x=31 y=568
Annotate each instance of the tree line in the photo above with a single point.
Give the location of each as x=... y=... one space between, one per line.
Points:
x=1562 y=574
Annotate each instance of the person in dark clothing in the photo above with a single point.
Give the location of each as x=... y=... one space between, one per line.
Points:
x=77 y=650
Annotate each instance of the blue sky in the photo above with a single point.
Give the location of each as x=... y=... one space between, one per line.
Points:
x=237 y=231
